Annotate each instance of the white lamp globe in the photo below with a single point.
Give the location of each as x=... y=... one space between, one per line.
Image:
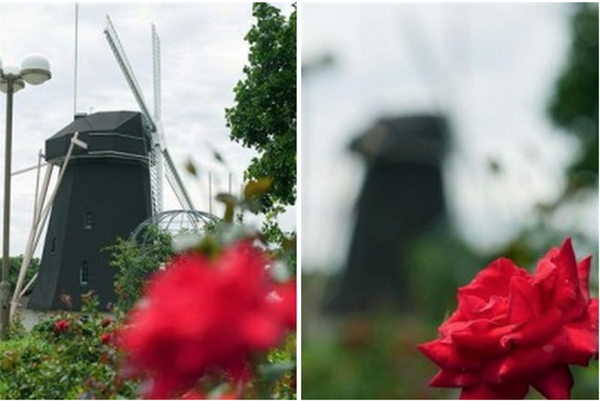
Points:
x=12 y=72
x=35 y=69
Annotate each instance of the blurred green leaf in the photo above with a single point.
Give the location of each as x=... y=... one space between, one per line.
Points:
x=257 y=188
x=230 y=202
x=217 y=156
x=275 y=371
x=191 y=168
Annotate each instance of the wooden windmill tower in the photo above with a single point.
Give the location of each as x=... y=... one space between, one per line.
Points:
x=106 y=191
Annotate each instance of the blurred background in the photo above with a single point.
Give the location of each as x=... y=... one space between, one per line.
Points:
x=435 y=138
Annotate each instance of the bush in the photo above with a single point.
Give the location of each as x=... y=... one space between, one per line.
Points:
x=65 y=356
x=135 y=262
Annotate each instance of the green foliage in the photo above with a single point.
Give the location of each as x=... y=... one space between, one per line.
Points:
x=283 y=244
x=574 y=105
x=15 y=266
x=264 y=117
x=375 y=357
x=68 y=364
x=135 y=262
x=439 y=263
x=280 y=373
x=369 y=358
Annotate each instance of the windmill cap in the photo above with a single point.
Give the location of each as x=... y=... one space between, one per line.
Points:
x=112 y=134
x=417 y=138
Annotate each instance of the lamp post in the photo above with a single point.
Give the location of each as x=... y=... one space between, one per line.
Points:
x=35 y=70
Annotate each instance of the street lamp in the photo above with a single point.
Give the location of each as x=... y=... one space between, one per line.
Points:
x=35 y=70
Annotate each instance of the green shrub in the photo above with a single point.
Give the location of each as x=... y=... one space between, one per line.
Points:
x=135 y=262
x=65 y=356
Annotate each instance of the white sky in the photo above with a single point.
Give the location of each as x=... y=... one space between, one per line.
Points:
x=203 y=53
x=491 y=67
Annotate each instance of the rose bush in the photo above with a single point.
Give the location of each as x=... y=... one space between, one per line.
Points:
x=513 y=330
x=66 y=355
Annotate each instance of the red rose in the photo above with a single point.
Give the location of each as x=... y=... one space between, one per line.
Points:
x=284 y=296
x=512 y=330
x=199 y=315
x=60 y=326
x=105 y=338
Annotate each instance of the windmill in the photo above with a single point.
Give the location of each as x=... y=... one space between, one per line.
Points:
x=106 y=189
x=402 y=196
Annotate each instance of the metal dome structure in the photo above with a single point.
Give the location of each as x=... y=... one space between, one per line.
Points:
x=175 y=222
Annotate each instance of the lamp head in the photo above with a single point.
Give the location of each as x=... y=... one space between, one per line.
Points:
x=35 y=69
x=11 y=73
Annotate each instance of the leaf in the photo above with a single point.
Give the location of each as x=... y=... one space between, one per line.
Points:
x=276 y=370
x=257 y=188
x=217 y=156
x=230 y=202
x=289 y=244
x=191 y=168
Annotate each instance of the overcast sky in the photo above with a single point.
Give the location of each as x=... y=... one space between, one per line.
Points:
x=203 y=53
x=489 y=67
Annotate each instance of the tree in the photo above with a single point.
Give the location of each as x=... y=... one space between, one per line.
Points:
x=135 y=262
x=15 y=267
x=264 y=115
x=574 y=105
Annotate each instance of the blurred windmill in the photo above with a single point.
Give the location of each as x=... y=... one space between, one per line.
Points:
x=402 y=195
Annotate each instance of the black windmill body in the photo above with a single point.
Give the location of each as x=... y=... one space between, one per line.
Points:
x=106 y=191
x=402 y=195
x=104 y=194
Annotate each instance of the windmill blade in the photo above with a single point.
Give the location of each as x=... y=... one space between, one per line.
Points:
x=157 y=77
x=156 y=174
x=175 y=182
x=117 y=48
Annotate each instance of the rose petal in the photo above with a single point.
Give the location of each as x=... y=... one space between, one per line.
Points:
x=536 y=331
x=567 y=284
x=582 y=297
x=481 y=338
x=495 y=278
x=545 y=278
x=545 y=265
x=582 y=344
x=583 y=272
x=447 y=356
x=505 y=391
x=556 y=384
x=523 y=363
x=473 y=307
x=524 y=301
x=450 y=378
x=593 y=314
x=262 y=331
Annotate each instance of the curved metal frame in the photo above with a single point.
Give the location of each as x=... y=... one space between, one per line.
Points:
x=159 y=219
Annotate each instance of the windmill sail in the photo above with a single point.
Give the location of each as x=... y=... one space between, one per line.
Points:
x=159 y=155
x=117 y=48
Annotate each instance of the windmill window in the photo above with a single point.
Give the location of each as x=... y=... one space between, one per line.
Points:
x=53 y=246
x=84 y=273
x=87 y=221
